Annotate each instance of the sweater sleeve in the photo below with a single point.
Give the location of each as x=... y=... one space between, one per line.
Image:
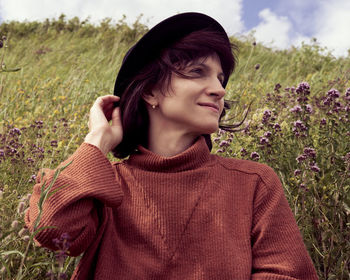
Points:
x=80 y=192
x=278 y=249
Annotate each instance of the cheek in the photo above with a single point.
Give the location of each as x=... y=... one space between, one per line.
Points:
x=222 y=104
x=172 y=108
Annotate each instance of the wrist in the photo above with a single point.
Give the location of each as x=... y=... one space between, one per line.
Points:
x=96 y=138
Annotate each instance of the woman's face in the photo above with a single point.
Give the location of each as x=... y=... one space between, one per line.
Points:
x=193 y=105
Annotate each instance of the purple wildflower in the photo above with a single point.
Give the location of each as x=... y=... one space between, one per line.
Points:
x=277 y=87
x=54 y=143
x=39 y=124
x=297 y=172
x=224 y=143
x=333 y=93
x=268 y=134
x=243 y=152
x=266 y=116
x=15 y=131
x=298 y=123
x=65 y=236
x=327 y=101
x=303 y=89
x=62 y=243
x=315 y=168
x=296 y=109
x=277 y=127
x=309 y=108
x=264 y=140
x=347 y=94
x=254 y=156
x=323 y=122
x=301 y=158
x=32 y=179
x=221 y=131
x=310 y=152
x=298 y=126
x=302 y=99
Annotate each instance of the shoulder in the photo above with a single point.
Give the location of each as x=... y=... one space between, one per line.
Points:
x=248 y=168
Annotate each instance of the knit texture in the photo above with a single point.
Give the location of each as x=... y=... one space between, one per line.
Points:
x=194 y=216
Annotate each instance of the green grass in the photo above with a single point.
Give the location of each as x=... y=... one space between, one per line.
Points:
x=65 y=64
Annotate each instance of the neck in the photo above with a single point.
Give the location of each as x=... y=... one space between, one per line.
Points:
x=169 y=143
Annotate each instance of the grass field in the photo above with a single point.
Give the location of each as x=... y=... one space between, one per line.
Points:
x=298 y=124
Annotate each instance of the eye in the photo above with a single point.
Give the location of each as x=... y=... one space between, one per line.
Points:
x=221 y=78
x=196 y=70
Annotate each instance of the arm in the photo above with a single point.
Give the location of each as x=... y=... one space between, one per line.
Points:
x=87 y=184
x=278 y=249
x=84 y=188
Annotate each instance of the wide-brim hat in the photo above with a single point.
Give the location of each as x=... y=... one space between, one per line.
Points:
x=161 y=36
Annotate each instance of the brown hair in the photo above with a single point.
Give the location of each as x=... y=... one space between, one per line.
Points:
x=134 y=114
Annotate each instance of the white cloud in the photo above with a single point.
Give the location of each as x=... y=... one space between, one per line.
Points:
x=273 y=30
x=332 y=26
x=228 y=13
x=327 y=21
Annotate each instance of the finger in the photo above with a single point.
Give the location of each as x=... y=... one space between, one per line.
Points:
x=103 y=102
x=101 y=110
x=97 y=115
x=106 y=100
x=116 y=119
x=109 y=105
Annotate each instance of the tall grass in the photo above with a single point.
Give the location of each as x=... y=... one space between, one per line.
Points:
x=54 y=70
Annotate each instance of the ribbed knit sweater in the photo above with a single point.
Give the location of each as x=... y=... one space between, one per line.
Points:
x=193 y=216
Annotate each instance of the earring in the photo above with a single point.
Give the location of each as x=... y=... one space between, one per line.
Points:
x=153 y=106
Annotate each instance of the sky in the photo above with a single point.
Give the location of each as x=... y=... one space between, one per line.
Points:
x=279 y=24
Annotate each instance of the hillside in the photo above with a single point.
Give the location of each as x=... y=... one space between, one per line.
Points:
x=53 y=71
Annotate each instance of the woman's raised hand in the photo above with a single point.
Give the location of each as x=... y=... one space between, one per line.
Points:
x=102 y=134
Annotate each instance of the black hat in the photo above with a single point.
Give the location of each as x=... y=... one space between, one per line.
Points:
x=161 y=36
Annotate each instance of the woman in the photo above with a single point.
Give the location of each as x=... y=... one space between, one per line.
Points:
x=171 y=210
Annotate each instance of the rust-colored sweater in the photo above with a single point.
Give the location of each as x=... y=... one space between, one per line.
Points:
x=193 y=216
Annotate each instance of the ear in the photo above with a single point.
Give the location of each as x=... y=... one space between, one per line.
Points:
x=151 y=97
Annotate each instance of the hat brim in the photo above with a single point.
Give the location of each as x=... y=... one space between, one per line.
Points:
x=161 y=36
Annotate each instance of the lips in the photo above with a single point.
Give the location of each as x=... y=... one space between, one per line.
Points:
x=212 y=106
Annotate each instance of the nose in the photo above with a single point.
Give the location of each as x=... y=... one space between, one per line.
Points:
x=216 y=89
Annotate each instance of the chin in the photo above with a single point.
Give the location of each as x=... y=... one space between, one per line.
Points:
x=209 y=129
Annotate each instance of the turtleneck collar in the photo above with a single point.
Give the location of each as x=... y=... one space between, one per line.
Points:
x=194 y=157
